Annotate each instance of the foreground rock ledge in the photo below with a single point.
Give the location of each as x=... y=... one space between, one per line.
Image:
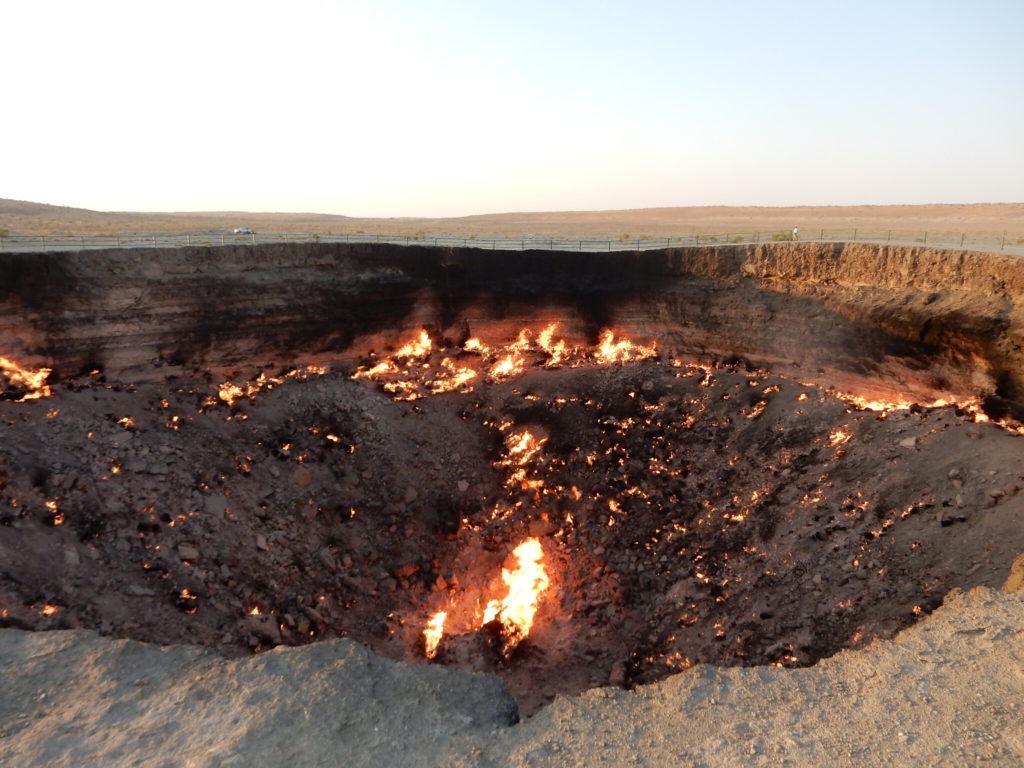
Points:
x=947 y=691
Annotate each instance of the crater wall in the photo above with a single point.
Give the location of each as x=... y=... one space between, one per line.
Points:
x=883 y=321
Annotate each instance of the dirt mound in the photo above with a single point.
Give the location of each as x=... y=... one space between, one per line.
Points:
x=947 y=691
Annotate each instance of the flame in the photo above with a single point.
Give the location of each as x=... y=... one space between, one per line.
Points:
x=229 y=392
x=520 y=449
x=556 y=350
x=33 y=380
x=839 y=436
x=522 y=446
x=622 y=351
x=454 y=378
x=419 y=348
x=413 y=372
x=381 y=368
x=526 y=583
x=510 y=365
x=475 y=345
x=433 y=633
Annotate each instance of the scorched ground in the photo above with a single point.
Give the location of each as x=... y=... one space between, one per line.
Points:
x=682 y=513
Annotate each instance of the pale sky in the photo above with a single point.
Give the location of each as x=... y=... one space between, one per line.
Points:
x=453 y=107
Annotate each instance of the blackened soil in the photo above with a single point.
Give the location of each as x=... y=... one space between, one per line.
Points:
x=687 y=515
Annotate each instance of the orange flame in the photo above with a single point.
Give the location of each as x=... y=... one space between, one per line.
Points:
x=510 y=365
x=418 y=348
x=433 y=633
x=475 y=345
x=526 y=583
x=622 y=351
x=34 y=380
x=556 y=350
x=229 y=392
x=520 y=449
x=413 y=371
x=454 y=378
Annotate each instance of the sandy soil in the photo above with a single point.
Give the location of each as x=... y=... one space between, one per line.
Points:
x=978 y=219
x=947 y=692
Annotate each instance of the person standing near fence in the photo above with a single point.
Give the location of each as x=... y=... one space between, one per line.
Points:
x=796 y=233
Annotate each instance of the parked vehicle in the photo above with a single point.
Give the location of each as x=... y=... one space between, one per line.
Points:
x=244 y=231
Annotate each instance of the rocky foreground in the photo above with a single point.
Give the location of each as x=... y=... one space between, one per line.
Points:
x=947 y=691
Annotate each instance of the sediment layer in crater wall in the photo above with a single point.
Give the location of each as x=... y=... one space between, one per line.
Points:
x=884 y=321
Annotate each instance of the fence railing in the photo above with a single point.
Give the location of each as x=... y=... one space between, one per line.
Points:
x=966 y=241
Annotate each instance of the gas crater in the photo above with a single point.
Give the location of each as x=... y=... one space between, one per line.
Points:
x=569 y=470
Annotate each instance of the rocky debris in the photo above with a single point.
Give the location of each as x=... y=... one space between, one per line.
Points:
x=938 y=694
x=688 y=514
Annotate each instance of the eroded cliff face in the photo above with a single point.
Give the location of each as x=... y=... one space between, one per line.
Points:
x=885 y=322
x=687 y=513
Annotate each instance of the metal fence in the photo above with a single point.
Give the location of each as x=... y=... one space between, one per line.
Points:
x=989 y=243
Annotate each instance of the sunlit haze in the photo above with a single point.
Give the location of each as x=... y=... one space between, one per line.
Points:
x=446 y=108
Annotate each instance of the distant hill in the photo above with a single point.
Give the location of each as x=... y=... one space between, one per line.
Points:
x=18 y=216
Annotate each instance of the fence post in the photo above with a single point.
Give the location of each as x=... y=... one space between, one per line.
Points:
x=962 y=236
x=42 y=240
x=854 y=233
x=926 y=237
x=888 y=235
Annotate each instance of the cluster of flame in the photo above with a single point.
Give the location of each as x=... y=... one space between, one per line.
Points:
x=32 y=380
x=528 y=580
x=229 y=392
x=409 y=375
x=525 y=583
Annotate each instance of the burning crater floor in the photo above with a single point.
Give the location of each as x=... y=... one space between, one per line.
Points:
x=680 y=514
